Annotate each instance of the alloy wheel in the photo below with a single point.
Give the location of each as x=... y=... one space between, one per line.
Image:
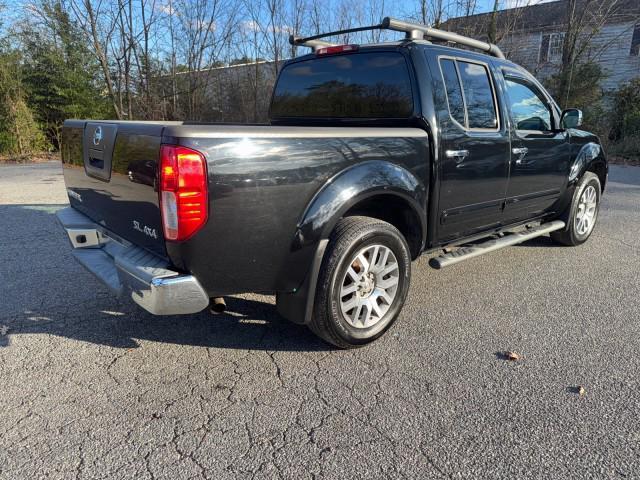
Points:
x=587 y=211
x=369 y=286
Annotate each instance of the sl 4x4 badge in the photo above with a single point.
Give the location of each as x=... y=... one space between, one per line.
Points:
x=150 y=232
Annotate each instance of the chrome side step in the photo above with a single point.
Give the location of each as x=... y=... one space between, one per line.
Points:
x=470 y=251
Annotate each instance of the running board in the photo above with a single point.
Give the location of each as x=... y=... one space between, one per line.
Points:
x=465 y=253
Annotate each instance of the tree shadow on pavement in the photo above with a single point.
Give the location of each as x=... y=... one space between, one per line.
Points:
x=66 y=301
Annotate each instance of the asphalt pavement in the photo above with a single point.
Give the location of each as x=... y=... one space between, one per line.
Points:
x=93 y=387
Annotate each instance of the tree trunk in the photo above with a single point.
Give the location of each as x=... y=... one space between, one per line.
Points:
x=102 y=57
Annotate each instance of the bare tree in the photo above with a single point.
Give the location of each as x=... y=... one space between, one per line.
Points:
x=275 y=30
x=466 y=7
x=431 y=12
x=255 y=40
x=170 y=11
x=317 y=17
x=375 y=10
x=124 y=48
x=584 y=20
x=136 y=20
x=296 y=16
x=205 y=29
x=504 y=23
x=99 y=35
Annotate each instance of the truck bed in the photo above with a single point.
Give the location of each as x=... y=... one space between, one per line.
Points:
x=261 y=180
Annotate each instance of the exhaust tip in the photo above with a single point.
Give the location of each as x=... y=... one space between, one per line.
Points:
x=217 y=305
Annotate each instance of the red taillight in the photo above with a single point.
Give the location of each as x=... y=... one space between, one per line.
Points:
x=183 y=191
x=336 y=49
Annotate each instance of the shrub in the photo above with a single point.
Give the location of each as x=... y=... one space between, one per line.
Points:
x=625 y=113
x=580 y=88
x=624 y=116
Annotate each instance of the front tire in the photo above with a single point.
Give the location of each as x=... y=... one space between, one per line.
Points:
x=583 y=212
x=363 y=282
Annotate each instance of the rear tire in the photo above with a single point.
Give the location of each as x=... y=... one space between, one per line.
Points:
x=363 y=282
x=583 y=212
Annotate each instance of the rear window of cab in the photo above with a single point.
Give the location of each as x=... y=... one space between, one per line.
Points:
x=359 y=85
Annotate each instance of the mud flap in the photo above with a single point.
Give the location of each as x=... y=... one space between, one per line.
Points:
x=297 y=307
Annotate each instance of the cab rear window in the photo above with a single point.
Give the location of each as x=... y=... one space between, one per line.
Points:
x=362 y=85
x=469 y=94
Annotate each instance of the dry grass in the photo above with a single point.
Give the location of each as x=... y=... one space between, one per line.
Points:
x=625 y=151
x=31 y=158
x=629 y=162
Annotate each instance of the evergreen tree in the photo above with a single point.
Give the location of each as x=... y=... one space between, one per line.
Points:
x=626 y=111
x=60 y=73
x=19 y=132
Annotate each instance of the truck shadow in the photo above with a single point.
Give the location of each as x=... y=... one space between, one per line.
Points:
x=247 y=325
x=66 y=301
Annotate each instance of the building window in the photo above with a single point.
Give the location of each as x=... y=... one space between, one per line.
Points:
x=556 y=44
x=635 y=42
x=551 y=47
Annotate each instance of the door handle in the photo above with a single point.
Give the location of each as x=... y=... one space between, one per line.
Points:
x=521 y=152
x=459 y=155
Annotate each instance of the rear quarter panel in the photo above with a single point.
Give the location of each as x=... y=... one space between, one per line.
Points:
x=261 y=185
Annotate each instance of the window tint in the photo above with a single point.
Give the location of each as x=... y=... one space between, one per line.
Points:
x=363 y=85
x=635 y=42
x=528 y=110
x=478 y=95
x=454 y=91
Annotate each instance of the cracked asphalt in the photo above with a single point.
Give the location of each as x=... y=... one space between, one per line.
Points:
x=93 y=387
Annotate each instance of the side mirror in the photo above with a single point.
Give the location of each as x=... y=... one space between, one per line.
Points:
x=571 y=118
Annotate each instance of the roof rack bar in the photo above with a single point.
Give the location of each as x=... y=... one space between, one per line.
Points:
x=313 y=43
x=415 y=31
x=309 y=42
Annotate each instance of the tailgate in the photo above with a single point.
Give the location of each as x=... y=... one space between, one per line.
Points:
x=110 y=171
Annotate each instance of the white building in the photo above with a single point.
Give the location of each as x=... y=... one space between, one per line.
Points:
x=533 y=36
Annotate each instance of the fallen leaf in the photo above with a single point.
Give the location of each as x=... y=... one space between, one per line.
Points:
x=513 y=356
x=578 y=389
x=3 y=329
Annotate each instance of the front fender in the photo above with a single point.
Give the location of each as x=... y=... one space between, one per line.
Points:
x=350 y=187
x=588 y=157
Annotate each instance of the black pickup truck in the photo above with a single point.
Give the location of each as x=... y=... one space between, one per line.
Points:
x=374 y=154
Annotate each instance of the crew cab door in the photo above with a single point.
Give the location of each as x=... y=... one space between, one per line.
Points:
x=474 y=152
x=540 y=151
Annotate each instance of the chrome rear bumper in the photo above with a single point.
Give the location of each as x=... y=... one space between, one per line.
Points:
x=129 y=270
